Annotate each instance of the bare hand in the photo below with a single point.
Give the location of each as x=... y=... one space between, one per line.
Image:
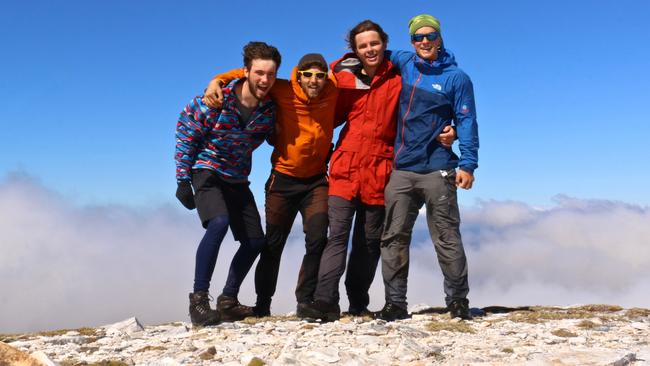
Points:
x=213 y=96
x=464 y=179
x=446 y=137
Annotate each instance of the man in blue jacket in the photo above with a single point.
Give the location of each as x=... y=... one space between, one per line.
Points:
x=435 y=94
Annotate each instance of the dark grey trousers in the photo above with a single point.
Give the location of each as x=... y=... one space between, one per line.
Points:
x=364 y=255
x=406 y=193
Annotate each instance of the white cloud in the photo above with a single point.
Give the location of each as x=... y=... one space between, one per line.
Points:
x=64 y=266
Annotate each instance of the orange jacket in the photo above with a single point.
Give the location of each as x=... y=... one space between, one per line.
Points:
x=303 y=127
x=362 y=162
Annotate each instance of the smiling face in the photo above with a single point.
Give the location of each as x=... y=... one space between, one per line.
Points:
x=426 y=49
x=314 y=84
x=260 y=77
x=370 y=49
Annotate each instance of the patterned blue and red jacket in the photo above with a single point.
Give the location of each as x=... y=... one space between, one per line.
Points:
x=214 y=139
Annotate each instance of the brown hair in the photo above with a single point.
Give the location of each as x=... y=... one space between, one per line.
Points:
x=260 y=50
x=364 y=26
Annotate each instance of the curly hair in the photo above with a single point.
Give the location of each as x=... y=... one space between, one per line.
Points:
x=260 y=50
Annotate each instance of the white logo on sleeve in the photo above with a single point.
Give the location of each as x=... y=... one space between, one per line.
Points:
x=438 y=87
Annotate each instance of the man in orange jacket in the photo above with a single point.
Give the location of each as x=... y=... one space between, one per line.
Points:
x=298 y=180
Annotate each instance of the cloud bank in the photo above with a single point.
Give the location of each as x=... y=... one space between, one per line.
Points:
x=65 y=266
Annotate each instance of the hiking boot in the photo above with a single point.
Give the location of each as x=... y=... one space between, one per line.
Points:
x=460 y=309
x=200 y=312
x=391 y=312
x=262 y=307
x=231 y=310
x=359 y=311
x=319 y=310
x=261 y=311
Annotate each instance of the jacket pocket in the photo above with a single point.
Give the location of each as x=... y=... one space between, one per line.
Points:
x=378 y=176
x=340 y=164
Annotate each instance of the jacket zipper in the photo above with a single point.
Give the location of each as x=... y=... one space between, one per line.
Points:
x=408 y=110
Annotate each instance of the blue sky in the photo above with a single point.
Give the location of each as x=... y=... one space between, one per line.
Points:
x=90 y=91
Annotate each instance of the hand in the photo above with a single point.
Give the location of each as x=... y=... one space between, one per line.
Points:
x=464 y=179
x=185 y=195
x=447 y=136
x=213 y=96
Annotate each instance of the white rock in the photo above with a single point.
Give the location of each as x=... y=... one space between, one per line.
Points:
x=168 y=361
x=41 y=357
x=577 y=340
x=418 y=307
x=129 y=326
x=421 y=317
x=639 y=326
x=326 y=354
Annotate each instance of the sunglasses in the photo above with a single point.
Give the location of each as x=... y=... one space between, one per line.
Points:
x=308 y=74
x=429 y=36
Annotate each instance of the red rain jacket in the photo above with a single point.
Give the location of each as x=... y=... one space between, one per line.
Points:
x=362 y=161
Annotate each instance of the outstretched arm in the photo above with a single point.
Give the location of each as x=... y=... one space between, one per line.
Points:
x=213 y=96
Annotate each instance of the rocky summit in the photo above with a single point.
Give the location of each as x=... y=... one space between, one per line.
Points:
x=578 y=335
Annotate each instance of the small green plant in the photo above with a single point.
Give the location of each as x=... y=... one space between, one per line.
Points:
x=272 y=318
x=637 y=313
x=587 y=324
x=598 y=308
x=542 y=314
x=151 y=348
x=563 y=333
x=461 y=327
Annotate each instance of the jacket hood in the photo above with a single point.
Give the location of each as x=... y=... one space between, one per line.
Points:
x=345 y=68
x=297 y=89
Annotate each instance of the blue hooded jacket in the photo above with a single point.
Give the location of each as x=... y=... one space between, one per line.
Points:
x=434 y=95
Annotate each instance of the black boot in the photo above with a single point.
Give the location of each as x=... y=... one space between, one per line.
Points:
x=231 y=310
x=359 y=311
x=460 y=309
x=200 y=312
x=319 y=310
x=391 y=312
x=262 y=308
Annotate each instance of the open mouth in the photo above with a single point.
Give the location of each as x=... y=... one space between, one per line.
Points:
x=371 y=58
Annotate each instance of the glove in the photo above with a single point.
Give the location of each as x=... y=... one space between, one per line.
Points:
x=185 y=195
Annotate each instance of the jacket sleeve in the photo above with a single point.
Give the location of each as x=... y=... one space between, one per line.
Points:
x=270 y=137
x=466 y=123
x=342 y=110
x=228 y=76
x=191 y=130
x=398 y=58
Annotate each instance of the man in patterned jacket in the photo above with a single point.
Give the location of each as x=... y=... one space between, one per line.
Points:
x=213 y=156
x=298 y=180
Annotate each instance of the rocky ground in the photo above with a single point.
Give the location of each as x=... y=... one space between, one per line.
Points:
x=580 y=335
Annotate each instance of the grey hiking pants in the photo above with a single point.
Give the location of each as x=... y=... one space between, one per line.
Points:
x=405 y=194
x=364 y=255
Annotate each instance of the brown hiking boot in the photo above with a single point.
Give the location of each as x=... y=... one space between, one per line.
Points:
x=231 y=310
x=200 y=312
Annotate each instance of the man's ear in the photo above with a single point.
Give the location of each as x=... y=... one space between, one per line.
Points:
x=246 y=72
